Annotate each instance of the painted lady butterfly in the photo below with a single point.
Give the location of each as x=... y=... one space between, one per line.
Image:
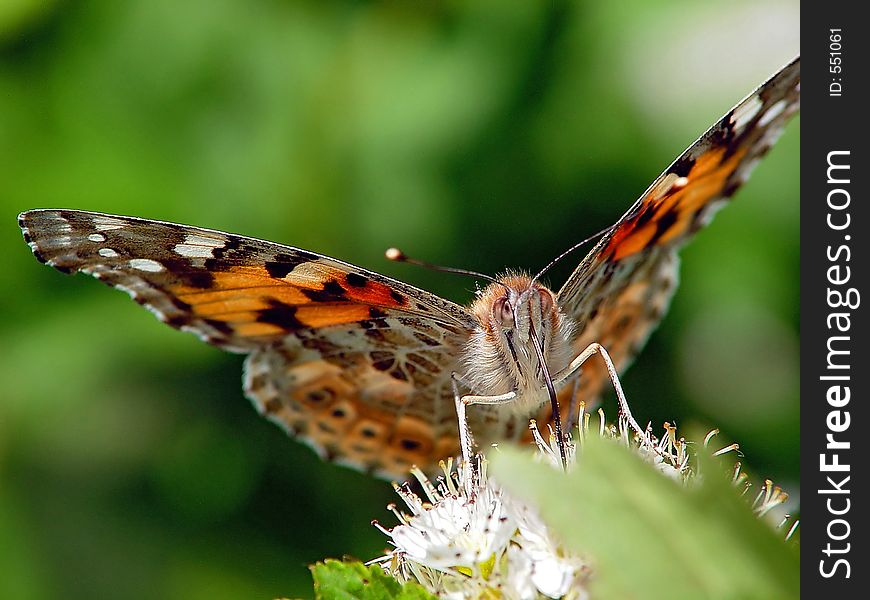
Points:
x=360 y=366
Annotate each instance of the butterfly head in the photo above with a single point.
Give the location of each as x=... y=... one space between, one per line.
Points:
x=515 y=308
x=514 y=315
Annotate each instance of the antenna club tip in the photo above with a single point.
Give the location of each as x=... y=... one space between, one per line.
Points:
x=394 y=254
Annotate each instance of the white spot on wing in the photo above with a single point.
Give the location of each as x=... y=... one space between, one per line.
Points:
x=201 y=240
x=199 y=246
x=146 y=264
x=189 y=251
x=107 y=223
x=744 y=113
x=120 y=286
x=772 y=113
x=97 y=237
x=107 y=253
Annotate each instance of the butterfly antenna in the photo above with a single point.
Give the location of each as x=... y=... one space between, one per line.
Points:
x=569 y=251
x=397 y=255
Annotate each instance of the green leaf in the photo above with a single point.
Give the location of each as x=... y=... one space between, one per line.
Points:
x=650 y=537
x=352 y=580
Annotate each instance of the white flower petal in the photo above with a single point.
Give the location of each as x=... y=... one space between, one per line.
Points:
x=553 y=577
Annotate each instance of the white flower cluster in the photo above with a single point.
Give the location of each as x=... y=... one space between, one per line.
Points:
x=469 y=539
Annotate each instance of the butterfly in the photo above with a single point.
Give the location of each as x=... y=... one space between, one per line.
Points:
x=363 y=367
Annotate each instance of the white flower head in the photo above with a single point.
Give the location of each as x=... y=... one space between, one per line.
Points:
x=470 y=539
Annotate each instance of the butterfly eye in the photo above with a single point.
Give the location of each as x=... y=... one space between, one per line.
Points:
x=546 y=301
x=503 y=312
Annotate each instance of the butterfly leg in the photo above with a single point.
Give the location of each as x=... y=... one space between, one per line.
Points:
x=500 y=399
x=465 y=439
x=462 y=402
x=464 y=432
x=591 y=350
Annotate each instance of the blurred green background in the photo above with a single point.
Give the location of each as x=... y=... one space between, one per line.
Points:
x=478 y=134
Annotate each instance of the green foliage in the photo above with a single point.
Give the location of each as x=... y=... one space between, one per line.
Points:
x=334 y=579
x=651 y=537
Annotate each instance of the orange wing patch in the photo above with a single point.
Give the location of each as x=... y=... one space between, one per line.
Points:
x=323 y=283
x=670 y=209
x=255 y=303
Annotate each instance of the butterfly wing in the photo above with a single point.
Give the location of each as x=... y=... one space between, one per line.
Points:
x=622 y=288
x=354 y=363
